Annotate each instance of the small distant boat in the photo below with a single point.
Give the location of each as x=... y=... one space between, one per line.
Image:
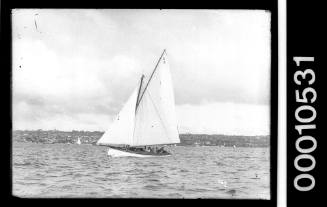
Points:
x=78 y=141
x=147 y=119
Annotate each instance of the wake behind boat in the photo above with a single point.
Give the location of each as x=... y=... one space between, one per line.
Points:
x=147 y=121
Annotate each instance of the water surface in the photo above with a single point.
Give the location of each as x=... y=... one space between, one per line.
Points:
x=69 y=170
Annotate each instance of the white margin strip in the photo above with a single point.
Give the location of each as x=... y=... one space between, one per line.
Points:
x=282 y=141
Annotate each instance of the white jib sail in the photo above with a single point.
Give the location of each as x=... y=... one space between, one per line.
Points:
x=155 y=119
x=122 y=128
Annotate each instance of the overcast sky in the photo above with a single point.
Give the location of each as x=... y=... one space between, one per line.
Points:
x=74 y=69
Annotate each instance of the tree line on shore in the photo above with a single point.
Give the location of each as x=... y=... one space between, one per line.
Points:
x=91 y=137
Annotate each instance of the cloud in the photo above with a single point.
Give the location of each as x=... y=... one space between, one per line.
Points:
x=86 y=63
x=210 y=118
x=224 y=118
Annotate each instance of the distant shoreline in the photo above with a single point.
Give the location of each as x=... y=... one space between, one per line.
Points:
x=91 y=137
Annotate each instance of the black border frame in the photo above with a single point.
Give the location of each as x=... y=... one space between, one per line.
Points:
x=305 y=38
x=270 y=5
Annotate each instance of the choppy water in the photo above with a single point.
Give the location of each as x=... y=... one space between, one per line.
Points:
x=62 y=170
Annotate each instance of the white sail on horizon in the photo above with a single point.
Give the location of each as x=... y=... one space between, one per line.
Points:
x=153 y=122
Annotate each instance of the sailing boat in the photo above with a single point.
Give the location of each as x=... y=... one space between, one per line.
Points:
x=78 y=141
x=147 y=119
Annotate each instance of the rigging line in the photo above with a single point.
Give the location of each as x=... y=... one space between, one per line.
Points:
x=152 y=74
x=159 y=116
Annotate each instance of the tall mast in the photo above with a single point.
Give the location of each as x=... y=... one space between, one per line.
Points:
x=154 y=70
x=138 y=94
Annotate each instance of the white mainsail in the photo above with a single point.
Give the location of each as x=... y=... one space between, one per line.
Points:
x=148 y=118
x=155 y=121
